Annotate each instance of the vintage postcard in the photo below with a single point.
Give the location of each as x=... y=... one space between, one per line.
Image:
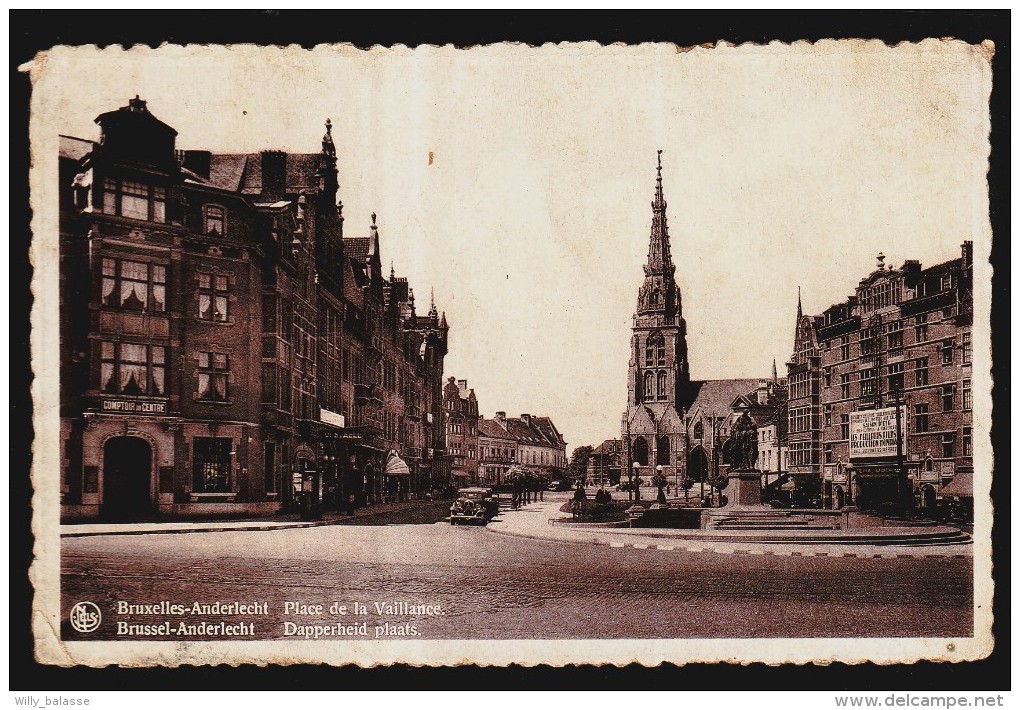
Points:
x=570 y=354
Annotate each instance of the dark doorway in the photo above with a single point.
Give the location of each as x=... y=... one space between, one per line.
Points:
x=127 y=479
x=928 y=499
x=697 y=465
x=838 y=498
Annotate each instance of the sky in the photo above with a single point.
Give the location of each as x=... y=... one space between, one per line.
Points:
x=516 y=182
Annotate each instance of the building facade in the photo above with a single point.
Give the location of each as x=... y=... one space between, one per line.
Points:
x=671 y=421
x=461 y=411
x=880 y=394
x=211 y=312
x=605 y=464
x=497 y=452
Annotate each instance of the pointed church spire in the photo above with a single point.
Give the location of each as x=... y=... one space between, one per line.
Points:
x=659 y=258
x=393 y=274
x=433 y=313
x=775 y=373
x=800 y=311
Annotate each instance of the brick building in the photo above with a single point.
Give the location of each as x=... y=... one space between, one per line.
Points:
x=222 y=343
x=497 y=451
x=605 y=464
x=461 y=411
x=880 y=387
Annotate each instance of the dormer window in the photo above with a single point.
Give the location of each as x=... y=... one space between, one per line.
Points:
x=215 y=219
x=136 y=200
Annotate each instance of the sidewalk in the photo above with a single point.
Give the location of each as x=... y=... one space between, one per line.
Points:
x=276 y=522
x=534 y=521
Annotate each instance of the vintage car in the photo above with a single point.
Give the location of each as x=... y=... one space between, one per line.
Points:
x=473 y=505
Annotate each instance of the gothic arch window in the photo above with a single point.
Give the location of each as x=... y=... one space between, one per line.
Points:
x=661 y=385
x=654 y=298
x=699 y=430
x=641 y=451
x=649 y=386
x=662 y=451
x=655 y=350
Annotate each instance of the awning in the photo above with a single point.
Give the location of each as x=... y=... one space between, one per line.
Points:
x=396 y=466
x=962 y=485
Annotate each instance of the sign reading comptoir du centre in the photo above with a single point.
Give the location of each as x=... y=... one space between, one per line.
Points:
x=873 y=432
x=135 y=406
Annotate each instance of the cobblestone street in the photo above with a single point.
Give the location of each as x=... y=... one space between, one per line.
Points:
x=498 y=586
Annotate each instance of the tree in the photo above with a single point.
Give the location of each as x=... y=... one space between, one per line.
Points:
x=578 y=467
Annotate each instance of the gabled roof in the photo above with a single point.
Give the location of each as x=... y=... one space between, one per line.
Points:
x=225 y=171
x=357 y=248
x=72 y=148
x=493 y=429
x=546 y=427
x=713 y=397
x=609 y=446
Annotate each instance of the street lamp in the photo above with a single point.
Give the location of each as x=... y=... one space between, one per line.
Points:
x=636 y=467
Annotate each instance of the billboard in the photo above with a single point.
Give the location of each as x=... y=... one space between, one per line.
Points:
x=873 y=432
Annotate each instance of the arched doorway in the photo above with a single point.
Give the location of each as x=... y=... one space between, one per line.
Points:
x=838 y=498
x=127 y=478
x=662 y=451
x=928 y=498
x=697 y=465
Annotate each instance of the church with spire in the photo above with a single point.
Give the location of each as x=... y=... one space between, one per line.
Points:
x=671 y=420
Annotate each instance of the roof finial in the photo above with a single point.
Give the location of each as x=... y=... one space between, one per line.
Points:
x=660 y=163
x=329 y=127
x=373 y=220
x=393 y=274
x=775 y=373
x=880 y=261
x=800 y=311
x=432 y=304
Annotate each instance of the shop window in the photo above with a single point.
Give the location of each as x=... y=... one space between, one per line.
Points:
x=214 y=220
x=213 y=376
x=134 y=285
x=132 y=368
x=211 y=464
x=213 y=297
x=136 y=200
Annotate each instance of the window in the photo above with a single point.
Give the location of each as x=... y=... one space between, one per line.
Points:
x=968 y=402
x=947 y=397
x=948 y=445
x=132 y=368
x=213 y=292
x=828 y=453
x=661 y=385
x=895 y=334
x=699 y=430
x=649 y=386
x=655 y=350
x=844 y=348
x=947 y=351
x=800 y=419
x=134 y=285
x=947 y=282
x=844 y=386
x=844 y=426
x=968 y=449
x=965 y=337
x=136 y=200
x=869 y=341
x=828 y=415
x=920 y=418
x=212 y=464
x=214 y=220
x=921 y=328
x=869 y=381
x=213 y=375
x=921 y=372
x=895 y=376
x=827 y=376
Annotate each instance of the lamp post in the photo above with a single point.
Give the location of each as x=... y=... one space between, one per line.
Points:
x=636 y=468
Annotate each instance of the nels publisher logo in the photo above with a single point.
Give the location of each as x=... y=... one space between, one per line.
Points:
x=85 y=617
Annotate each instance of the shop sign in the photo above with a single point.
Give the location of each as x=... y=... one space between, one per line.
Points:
x=873 y=432
x=134 y=406
x=331 y=418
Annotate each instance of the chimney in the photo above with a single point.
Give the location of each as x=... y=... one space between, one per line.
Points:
x=501 y=417
x=526 y=418
x=763 y=392
x=198 y=162
x=462 y=384
x=274 y=174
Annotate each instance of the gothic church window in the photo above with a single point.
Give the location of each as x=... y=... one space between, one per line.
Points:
x=649 y=392
x=661 y=385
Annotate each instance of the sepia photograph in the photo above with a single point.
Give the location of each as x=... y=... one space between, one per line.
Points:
x=560 y=354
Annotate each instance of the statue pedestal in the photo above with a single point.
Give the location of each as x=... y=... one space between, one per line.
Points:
x=744 y=489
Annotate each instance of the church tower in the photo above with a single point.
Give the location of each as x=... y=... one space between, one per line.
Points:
x=658 y=381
